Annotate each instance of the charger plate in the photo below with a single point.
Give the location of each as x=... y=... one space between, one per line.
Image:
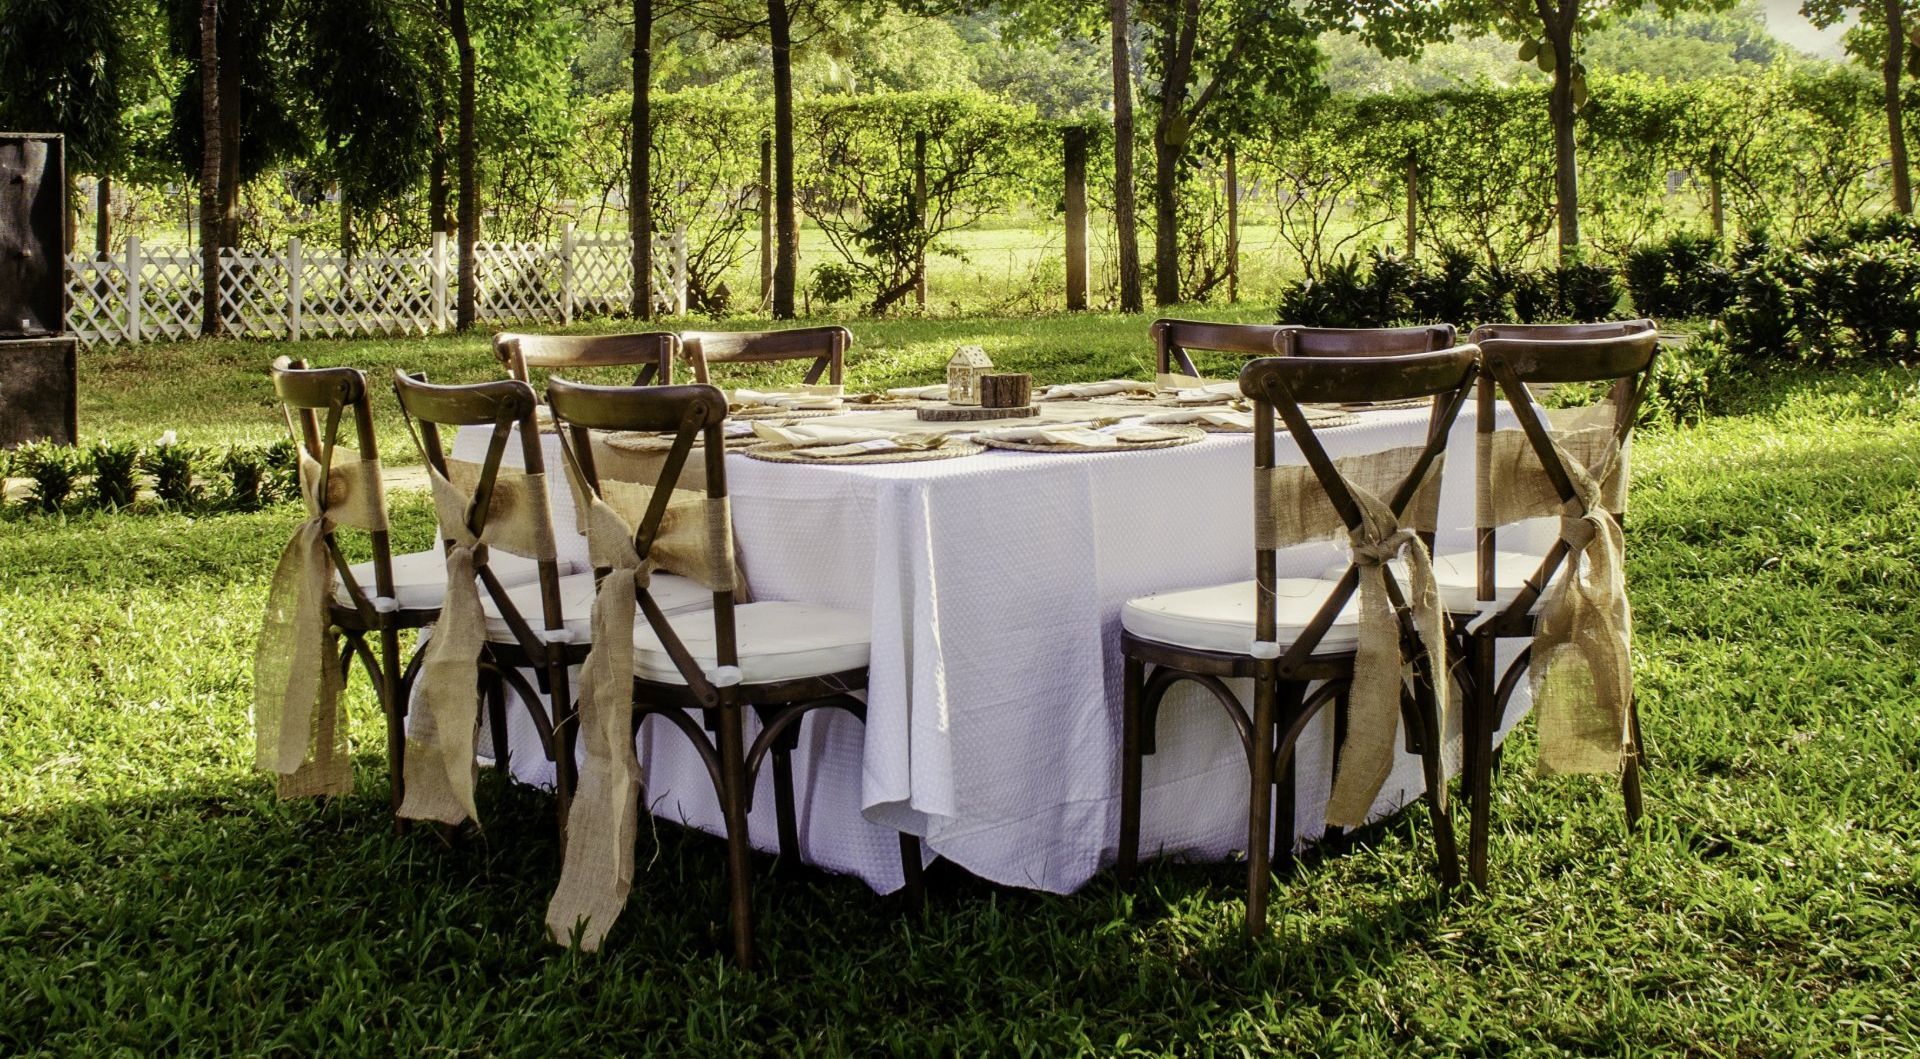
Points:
x=1187 y=436
x=646 y=441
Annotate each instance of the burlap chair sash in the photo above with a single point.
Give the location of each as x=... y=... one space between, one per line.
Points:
x=440 y=765
x=298 y=732
x=1581 y=668
x=695 y=538
x=696 y=532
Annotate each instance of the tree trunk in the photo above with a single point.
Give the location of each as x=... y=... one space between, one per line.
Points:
x=786 y=222
x=229 y=88
x=640 y=164
x=469 y=183
x=437 y=217
x=1890 y=69
x=103 y=216
x=1566 y=179
x=346 y=227
x=1123 y=219
x=1166 y=218
x=212 y=219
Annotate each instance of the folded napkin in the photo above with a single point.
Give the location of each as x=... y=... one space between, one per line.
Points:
x=1213 y=417
x=919 y=393
x=1218 y=393
x=874 y=446
x=803 y=435
x=1081 y=435
x=795 y=398
x=1097 y=389
x=1182 y=381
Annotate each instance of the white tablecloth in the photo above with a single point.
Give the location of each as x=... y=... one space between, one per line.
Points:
x=994 y=585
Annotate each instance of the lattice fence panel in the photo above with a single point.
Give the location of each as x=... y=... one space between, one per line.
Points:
x=97 y=298
x=518 y=281
x=169 y=293
x=371 y=294
x=254 y=291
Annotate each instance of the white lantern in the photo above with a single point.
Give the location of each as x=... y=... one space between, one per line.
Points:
x=969 y=363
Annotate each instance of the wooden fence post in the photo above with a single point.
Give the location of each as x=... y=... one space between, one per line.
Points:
x=766 y=220
x=438 y=270
x=136 y=289
x=1075 y=146
x=566 y=273
x=920 y=216
x=1233 y=225
x=1413 y=204
x=1715 y=195
x=296 y=284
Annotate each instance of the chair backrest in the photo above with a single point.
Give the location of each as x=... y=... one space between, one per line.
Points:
x=1402 y=480
x=825 y=346
x=505 y=506
x=1563 y=332
x=696 y=417
x=1522 y=474
x=1173 y=338
x=652 y=352
x=305 y=395
x=1365 y=341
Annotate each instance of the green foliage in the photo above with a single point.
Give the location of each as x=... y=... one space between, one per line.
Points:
x=170 y=465
x=64 y=67
x=113 y=465
x=53 y=469
x=1835 y=296
x=250 y=479
x=1449 y=288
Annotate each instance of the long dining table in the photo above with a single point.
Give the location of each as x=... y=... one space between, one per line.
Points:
x=994 y=585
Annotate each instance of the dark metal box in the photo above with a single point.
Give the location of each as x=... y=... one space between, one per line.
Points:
x=33 y=236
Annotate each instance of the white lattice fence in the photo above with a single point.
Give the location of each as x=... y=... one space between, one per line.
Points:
x=145 y=294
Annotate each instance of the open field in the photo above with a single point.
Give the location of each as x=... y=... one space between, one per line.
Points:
x=155 y=898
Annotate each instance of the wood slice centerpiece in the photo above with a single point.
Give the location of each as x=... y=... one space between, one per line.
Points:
x=1010 y=390
x=972 y=413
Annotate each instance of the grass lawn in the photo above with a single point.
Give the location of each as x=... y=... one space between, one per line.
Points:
x=155 y=898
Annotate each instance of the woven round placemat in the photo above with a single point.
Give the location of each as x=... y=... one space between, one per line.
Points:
x=953 y=449
x=642 y=441
x=1188 y=435
x=783 y=413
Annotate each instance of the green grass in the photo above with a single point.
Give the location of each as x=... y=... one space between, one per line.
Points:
x=155 y=898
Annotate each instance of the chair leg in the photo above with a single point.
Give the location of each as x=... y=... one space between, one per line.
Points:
x=733 y=808
x=910 y=868
x=497 y=718
x=1128 y=856
x=393 y=703
x=1285 y=825
x=1259 y=807
x=566 y=722
x=1630 y=775
x=1446 y=854
x=785 y=814
x=1478 y=735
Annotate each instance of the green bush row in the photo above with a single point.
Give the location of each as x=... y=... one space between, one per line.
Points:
x=1448 y=287
x=109 y=476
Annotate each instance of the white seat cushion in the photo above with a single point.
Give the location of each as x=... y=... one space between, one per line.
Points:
x=673 y=593
x=420 y=578
x=777 y=641
x=1459 y=584
x=1220 y=618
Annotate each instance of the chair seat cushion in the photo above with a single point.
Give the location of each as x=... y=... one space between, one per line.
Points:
x=1220 y=617
x=777 y=641
x=420 y=578
x=1455 y=573
x=674 y=594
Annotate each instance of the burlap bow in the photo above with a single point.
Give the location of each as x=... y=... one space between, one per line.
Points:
x=597 y=873
x=1582 y=670
x=440 y=737
x=1373 y=699
x=298 y=732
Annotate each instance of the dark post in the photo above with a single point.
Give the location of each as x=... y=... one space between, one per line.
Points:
x=1715 y=196
x=1233 y=226
x=1413 y=204
x=766 y=219
x=37 y=357
x=1076 y=167
x=920 y=217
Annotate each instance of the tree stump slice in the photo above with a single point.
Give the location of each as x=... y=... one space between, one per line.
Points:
x=1009 y=390
x=972 y=413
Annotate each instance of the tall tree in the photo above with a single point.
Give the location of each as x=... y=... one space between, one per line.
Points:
x=1230 y=63
x=1126 y=226
x=465 y=309
x=63 y=65
x=212 y=215
x=1549 y=33
x=640 y=161
x=1886 y=33
x=786 y=213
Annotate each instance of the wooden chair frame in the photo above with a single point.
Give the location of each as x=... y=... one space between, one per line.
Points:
x=305 y=394
x=1173 y=338
x=1564 y=332
x=502 y=407
x=1282 y=704
x=825 y=346
x=1365 y=341
x=653 y=352
x=1509 y=365
x=733 y=764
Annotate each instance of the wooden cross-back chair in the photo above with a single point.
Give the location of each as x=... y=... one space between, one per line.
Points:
x=1287 y=634
x=826 y=347
x=1364 y=341
x=1173 y=338
x=319 y=403
x=508 y=525
x=699 y=671
x=1508 y=587
x=1564 y=332
x=652 y=352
